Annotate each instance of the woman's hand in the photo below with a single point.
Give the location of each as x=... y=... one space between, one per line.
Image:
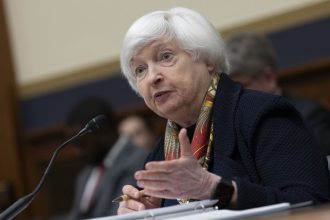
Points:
x=136 y=202
x=181 y=178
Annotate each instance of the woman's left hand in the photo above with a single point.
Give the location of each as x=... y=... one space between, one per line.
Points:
x=182 y=178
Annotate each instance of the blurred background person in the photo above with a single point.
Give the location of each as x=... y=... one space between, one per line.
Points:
x=253 y=63
x=111 y=161
x=139 y=130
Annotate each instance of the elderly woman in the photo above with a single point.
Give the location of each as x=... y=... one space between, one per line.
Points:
x=243 y=147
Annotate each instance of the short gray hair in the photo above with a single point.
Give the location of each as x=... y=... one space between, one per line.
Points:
x=190 y=30
x=250 y=53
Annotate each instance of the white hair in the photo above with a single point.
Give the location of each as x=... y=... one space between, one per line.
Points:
x=192 y=32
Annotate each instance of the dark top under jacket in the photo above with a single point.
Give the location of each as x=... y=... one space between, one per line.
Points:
x=260 y=141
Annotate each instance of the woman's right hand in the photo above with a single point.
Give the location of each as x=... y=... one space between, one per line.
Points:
x=136 y=202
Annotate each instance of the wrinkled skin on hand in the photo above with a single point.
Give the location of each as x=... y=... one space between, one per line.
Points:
x=179 y=178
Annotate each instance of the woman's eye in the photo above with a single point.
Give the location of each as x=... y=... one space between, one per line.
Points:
x=139 y=71
x=166 y=56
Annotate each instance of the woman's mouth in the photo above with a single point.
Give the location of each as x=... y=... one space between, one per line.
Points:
x=161 y=96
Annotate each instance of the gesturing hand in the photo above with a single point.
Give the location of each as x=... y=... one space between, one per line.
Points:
x=179 y=178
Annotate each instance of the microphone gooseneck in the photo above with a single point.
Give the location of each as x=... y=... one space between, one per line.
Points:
x=96 y=123
x=17 y=207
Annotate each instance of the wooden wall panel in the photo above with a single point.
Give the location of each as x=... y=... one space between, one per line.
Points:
x=10 y=156
x=310 y=80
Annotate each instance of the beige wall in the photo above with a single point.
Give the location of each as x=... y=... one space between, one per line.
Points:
x=52 y=38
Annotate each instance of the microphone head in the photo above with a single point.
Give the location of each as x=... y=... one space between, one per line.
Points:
x=96 y=123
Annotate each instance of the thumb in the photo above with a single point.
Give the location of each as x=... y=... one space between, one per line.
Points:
x=185 y=146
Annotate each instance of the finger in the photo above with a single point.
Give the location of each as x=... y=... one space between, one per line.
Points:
x=164 y=166
x=124 y=210
x=132 y=204
x=166 y=194
x=151 y=175
x=154 y=185
x=185 y=146
x=131 y=192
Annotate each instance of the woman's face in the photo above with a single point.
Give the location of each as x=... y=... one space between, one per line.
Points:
x=171 y=83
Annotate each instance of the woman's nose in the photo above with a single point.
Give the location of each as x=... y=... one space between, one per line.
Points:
x=155 y=74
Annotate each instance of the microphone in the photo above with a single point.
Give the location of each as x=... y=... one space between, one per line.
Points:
x=17 y=207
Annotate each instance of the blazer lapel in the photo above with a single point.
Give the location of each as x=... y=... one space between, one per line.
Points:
x=226 y=100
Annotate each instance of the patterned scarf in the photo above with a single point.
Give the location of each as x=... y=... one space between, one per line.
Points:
x=203 y=134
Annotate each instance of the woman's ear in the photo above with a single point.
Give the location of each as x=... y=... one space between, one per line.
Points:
x=210 y=67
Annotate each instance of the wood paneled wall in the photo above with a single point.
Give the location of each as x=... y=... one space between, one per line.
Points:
x=10 y=154
x=310 y=80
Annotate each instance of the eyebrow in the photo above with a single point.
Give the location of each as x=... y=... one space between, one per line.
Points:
x=158 y=46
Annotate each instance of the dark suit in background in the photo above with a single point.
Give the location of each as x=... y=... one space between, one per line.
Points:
x=316 y=117
x=110 y=161
x=119 y=171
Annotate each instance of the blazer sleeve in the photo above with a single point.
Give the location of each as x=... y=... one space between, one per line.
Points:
x=289 y=165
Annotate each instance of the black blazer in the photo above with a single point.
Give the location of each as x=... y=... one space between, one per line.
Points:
x=261 y=142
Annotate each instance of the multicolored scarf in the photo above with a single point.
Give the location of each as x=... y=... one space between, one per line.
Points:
x=203 y=134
